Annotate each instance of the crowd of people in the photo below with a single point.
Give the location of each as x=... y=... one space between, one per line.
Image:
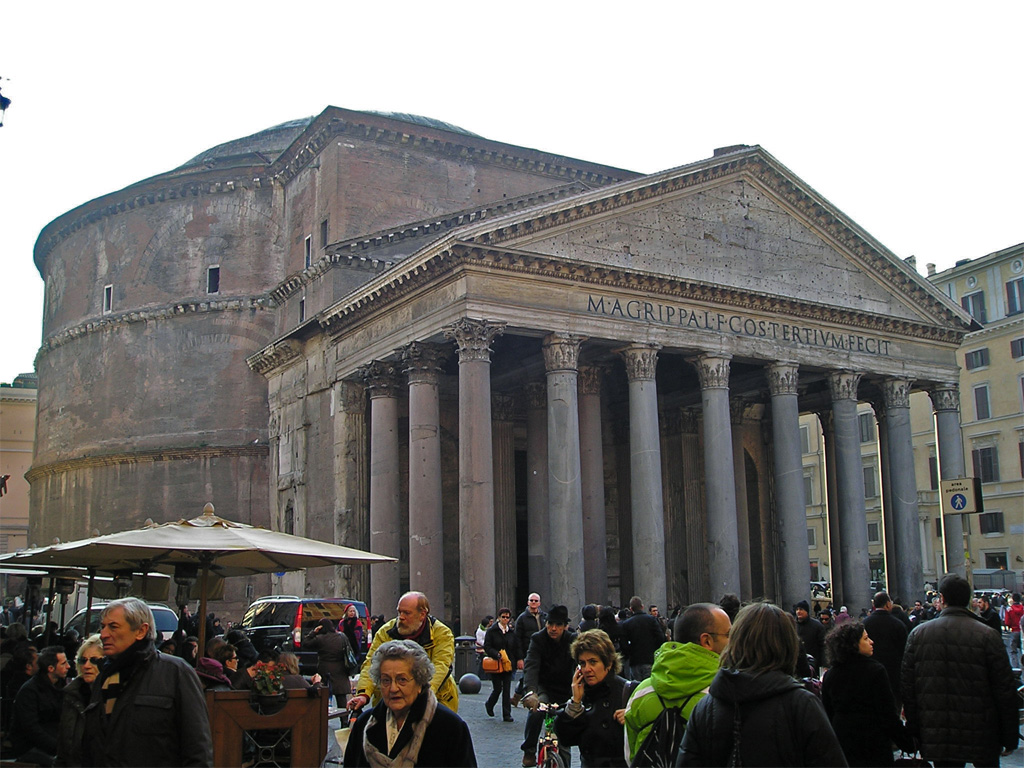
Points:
x=713 y=684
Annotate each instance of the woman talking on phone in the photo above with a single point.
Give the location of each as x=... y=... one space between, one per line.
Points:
x=593 y=718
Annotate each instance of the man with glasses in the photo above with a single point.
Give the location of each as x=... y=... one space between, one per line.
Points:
x=680 y=676
x=37 y=709
x=529 y=622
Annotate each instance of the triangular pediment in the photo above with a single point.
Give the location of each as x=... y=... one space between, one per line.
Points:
x=740 y=222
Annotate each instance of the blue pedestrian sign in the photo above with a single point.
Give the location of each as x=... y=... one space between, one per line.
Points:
x=961 y=496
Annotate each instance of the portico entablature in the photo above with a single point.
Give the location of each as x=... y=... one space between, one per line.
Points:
x=535 y=296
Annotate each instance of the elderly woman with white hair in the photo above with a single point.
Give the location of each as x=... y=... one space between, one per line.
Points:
x=409 y=727
x=76 y=698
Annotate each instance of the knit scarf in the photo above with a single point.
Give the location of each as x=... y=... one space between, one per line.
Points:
x=410 y=753
x=118 y=670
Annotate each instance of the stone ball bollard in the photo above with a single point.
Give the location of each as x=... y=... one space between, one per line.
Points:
x=469 y=683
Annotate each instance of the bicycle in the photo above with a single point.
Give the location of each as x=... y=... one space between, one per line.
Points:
x=547 y=746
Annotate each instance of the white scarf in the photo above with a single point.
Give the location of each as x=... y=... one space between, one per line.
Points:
x=411 y=752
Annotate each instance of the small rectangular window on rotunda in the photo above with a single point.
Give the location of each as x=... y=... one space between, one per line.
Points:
x=213 y=279
x=108 y=298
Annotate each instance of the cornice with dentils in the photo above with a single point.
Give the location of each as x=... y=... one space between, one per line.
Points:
x=335 y=121
x=175 y=184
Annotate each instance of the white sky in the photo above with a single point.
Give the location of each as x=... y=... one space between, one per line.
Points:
x=907 y=116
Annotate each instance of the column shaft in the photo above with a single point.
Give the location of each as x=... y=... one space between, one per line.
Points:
x=830 y=489
x=646 y=494
x=909 y=570
x=385 y=515
x=723 y=544
x=791 y=507
x=565 y=491
x=739 y=472
x=350 y=487
x=476 y=469
x=693 y=510
x=426 y=545
x=946 y=407
x=503 y=427
x=595 y=555
x=537 y=519
x=888 y=523
x=850 y=490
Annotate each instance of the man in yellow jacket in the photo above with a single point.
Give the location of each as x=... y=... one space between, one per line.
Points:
x=414 y=623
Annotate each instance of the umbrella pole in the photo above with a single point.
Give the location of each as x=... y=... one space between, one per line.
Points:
x=202 y=610
x=88 y=602
x=48 y=634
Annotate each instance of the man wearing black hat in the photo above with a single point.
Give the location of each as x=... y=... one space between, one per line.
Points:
x=549 y=668
x=811 y=632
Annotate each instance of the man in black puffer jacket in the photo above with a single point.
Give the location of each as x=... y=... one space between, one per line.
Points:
x=958 y=694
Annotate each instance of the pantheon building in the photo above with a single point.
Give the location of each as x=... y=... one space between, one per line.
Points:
x=514 y=371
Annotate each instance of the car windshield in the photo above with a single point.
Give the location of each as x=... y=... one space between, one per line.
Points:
x=270 y=614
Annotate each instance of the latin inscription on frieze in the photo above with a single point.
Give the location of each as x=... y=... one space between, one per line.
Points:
x=681 y=316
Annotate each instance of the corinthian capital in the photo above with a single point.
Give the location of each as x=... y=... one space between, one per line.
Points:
x=641 y=361
x=536 y=393
x=353 y=396
x=896 y=393
x=503 y=407
x=713 y=371
x=422 y=362
x=783 y=378
x=561 y=352
x=473 y=338
x=379 y=378
x=945 y=397
x=589 y=382
x=843 y=385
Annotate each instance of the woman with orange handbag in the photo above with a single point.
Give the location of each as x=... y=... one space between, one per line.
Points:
x=500 y=655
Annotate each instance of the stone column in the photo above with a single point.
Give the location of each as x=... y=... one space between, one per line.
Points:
x=790 y=506
x=888 y=525
x=853 y=528
x=422 y=363
x=476 y=469
x=537 y=520
x=381 y=381
x=646 y=495
x=946 y=407
x=565 y=490
x=909 y=569
x=723 y=547
x=350 y=483
x=693 y=512
x=503 y=408
x=737 y=408
x=595 y=554
x=677 y=587
x=828 y=479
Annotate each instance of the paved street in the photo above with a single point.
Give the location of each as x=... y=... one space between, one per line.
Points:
x=496 y=742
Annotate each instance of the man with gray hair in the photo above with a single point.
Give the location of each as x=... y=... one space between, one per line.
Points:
x=147 y=708
x=414 y=623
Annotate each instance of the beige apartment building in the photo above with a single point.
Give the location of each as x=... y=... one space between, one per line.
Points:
x=991 y=388
x=17 y=434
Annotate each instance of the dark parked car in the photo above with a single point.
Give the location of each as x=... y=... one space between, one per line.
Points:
x=281 y=621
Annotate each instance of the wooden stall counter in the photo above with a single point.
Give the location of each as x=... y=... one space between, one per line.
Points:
x=288 y=732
